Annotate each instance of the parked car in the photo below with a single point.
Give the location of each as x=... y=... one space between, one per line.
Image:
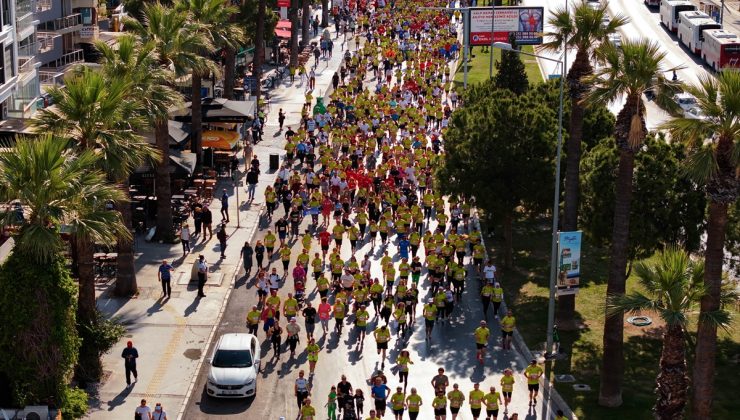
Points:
x=615 y=39
x=685 y=100
x=695 y=113
x=594 y=4
x=234 y=366
x=605 y=20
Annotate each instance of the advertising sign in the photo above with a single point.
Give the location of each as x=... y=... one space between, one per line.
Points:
x=569 y=262
x=283 y=3
x=524 y=22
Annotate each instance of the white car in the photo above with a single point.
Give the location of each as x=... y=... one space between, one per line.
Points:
x=685 y=100
x=234 y=367
x=605 y=20
x=695 y=114
x=594 y=4
x=615 y=39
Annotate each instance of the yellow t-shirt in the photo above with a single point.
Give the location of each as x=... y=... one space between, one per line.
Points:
x=533 y=374
x=476 y=398
x=507 y=383
x=481 y=335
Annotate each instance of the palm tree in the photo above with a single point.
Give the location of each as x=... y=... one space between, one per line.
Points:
x=213 y=18
x=293 y=16
x=580 y=29
x=627 y=73
x=259 y=48
x=61 y=187
x=672 y=288
x=324 y=13
x=306 y=22
x=712 y=162
x=177 y=44
x=136 y=63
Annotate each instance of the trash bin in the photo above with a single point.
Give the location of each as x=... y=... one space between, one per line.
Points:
x=274 y=161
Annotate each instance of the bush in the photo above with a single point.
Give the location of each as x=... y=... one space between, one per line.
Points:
x=38 y=336
x=74 y=403
x=98 y=337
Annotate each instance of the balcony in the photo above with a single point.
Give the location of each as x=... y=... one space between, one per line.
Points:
x=43 y=5
x=24 y=7
x=47 y=41
x=61 y=63
x=63 y=25
x=28 y=50
x=53 y=78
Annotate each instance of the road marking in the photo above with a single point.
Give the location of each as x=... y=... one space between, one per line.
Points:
x=167 y=355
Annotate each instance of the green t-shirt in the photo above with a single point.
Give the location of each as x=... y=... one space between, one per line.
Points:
x=476 y=398
x=414 y=402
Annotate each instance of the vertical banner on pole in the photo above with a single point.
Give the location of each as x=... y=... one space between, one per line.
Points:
x=569 y=262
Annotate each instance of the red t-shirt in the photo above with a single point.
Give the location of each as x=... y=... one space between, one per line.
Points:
x=325 y=237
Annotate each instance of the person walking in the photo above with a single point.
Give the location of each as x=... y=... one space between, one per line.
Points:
x=143 y=412
x=331 y=404
x=281 y=117
x=185 y=238
x=292 y=330
x=259 y=254
x=202 y=274
x=309 y=313
x=252 y=179
x=307 y=411
x=225 y=205
x=253 y=320
x=207 y=220
x=159 y=413
x=164 y=275
x=221 y=236
x=276 y=336
x=301 y=388
x=129 y=355
x=313 y=350
x=344 y=393
x=246 y=253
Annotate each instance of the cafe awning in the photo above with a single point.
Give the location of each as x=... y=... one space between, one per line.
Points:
x=284 y=24
x=179 y=133
x=282 y=33
x=183 y=160
x=218 y=110
x=220 y=140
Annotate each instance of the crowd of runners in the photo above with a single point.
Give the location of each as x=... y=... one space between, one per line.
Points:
x=363 y=173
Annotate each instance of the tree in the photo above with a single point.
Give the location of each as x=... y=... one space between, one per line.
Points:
x=259 y=55
x=627 y=72
x=672 y=288
x=510 y=72
x=579 y=29
x=506 y=167
x=212 y=19
x=293 y=16
x=60 y=188
x=713 y=161
x=306 y=22
x=667 y=206
x=177 y=44
x=324 y=13
x=135 y=63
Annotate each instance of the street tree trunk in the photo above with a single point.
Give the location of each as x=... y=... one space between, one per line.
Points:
x=576 y=88
x=125 y=271
x=306 y=23
x=259 y=48
x=162 y=177
x=85 y=269
x=229 y=73
x=196 y=130
x=324 y=13
x=672 y=382
x=509 y=241
x=722 y=191
x=612 y=372
x=294 y=34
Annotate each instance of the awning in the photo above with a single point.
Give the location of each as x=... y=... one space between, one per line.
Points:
x=183 y=160
x=282 y=33
x=179 y=133
x=220 y=140
x=284 y=24
x=218 y=110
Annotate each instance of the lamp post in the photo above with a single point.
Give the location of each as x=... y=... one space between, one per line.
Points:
x=556 y=200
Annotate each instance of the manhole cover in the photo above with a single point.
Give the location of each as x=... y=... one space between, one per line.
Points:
x=193 y=354
x=640 y=321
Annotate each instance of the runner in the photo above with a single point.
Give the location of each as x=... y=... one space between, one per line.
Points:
x=481 y=341
x=307 y=411
x=414 y=403
x=253 y=320
x=475 y=398
x=430 y=314
x=440 y=382
x=398 y=404
x=507 y=329
x=380 y=393
x=361 y=318
x=457 y=398
x=382 y=336
x=301 y=389
x=533 y=373
x=402 y=363
x=507 y=387
x=492 y=400
x=440 y=406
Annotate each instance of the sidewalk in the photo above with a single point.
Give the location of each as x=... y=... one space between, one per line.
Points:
x=172 y=335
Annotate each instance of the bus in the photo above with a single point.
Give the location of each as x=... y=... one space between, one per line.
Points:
x=669 y=10
x=691 y=29
x=721 y=49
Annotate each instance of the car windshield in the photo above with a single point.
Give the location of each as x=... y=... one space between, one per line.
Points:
x=232 y=359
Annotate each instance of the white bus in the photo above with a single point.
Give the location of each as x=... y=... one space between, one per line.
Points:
x=691 y=29
x=669 y=10
x=721 y=49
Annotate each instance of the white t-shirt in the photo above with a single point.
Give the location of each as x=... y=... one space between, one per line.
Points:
x=144 y=412
x=490 y=271
x=159 y=415
x=301 y=384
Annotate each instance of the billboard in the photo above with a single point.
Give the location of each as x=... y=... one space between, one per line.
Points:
x=569 y=262
x=283 y=3
x=526 y=23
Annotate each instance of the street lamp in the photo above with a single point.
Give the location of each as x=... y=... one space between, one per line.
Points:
x=556 y=200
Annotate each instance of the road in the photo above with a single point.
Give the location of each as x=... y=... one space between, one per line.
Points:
x=451 y=347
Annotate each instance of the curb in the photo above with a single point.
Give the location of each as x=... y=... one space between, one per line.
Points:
x=209 y=340
x=525 y=355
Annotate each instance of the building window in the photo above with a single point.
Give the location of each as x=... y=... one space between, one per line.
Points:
x=2 y=69
x=8 y=62
x=6 y=13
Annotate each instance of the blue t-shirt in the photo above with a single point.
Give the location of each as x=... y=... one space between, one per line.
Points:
x=225 y=200
x=379 y=391
x=164 y=271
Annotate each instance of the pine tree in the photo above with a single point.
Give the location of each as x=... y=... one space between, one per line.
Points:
x=510 y=73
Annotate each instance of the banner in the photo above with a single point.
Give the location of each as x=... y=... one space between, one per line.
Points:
x=526 y=23
x=283 y=3
x=569 y=262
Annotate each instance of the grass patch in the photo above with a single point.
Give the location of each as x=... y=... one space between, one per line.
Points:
x=526 y=288
x=479 y=66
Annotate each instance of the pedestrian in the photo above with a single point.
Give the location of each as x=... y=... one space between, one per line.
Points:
x=335 y=80
x=402 y=362
x=440 y=382
x=440 y=406
x=324 y=315
x=309 y=313
x=307 y=411
x=198 y=219
x=247 y=252
x=507 y=387
x=164 y=274
x=221 y=236
x=344 y=393
x=380 y=393
x=252 y=179
x=207 y=220
x=430 y=315
x=312 y=80
x=292 y=331
x=492 y=400
x=225 y=205
x=413 y=402
x=276 y=336
x=508 y=323
x=185 y=238
x=481 y=341
x=313 y=350
x=382 y=336
x=253 y=320
x=202 y=274
x=359 y=402
x=533 y=372
x=281 y=117
x=456 y=398
x=129 y=355
x=143 y=412
x=259 y=254
x=331 y=404
x=159 y=413
x=559 y=415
